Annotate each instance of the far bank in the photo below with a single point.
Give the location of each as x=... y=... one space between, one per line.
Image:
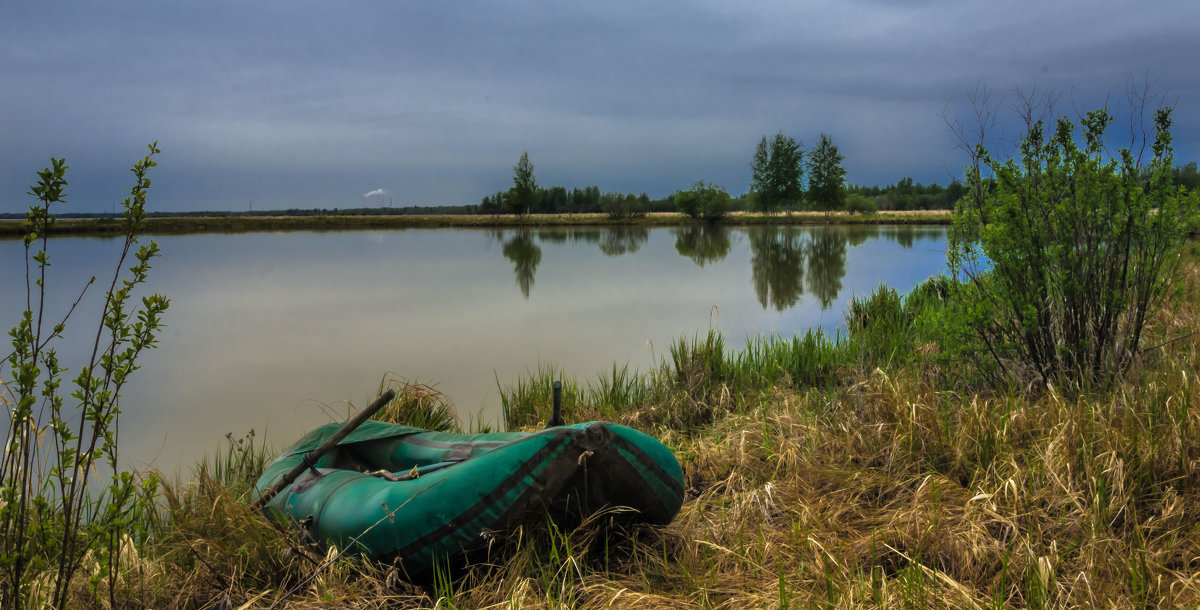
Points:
x=218 y=223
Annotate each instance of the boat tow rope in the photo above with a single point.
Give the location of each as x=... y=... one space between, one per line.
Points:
x=310 y=459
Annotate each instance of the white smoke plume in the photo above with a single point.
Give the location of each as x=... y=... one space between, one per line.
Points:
x=379 y=192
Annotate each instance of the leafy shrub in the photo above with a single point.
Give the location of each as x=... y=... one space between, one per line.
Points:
x=704 y=200
x=619 y=206
x=54 y=524
x=860 y=204
x=1071 y=250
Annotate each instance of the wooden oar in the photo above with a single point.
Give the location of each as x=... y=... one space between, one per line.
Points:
x=311 y=457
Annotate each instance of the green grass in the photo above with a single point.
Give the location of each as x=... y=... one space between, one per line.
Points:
x=417 y=405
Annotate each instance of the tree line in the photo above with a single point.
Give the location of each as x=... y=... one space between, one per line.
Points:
x=781 y=179
x=784 y=177
x=525 y=196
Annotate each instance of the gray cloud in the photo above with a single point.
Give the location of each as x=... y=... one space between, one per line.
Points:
x=298 y=104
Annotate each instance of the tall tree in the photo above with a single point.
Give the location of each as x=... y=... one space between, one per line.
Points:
x=826 y=177
x=523 y=195
x=759 y=173
x=776 y=173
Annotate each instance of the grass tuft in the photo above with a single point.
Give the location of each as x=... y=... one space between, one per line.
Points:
x=417 y=405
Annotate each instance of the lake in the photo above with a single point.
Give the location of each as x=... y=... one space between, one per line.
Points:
x=280 y=332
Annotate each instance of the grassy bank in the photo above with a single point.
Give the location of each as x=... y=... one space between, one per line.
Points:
x=332 y=222
x=871 y=470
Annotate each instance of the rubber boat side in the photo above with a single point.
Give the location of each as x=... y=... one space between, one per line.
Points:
x=454 y=489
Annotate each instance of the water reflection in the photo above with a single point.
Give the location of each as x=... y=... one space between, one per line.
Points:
x=786 y=262
x=826 y=264
x=448 y=315
x=857 y=235
x=616 y=241
x=525 y=255
x=523 y=249
x=906 y=236
x=782 y=255
x=704 y=244
x=777 y=265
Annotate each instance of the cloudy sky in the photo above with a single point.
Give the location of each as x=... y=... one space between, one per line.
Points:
x=346 y=104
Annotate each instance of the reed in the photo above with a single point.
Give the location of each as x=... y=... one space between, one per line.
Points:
x=238 y=464
x=528 y=402
x=811 y=360
x=618 y=391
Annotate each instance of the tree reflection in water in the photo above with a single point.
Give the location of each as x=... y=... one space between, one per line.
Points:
x=906 y=235
x=827 y=264
x=523 y=250
x=779 y=260
x=780 y=256
x=703 y=244
x=857 y=235
x=777 y=265
x=623 y=240
x=526 y=256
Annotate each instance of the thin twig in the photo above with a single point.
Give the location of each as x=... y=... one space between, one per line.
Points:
x=1175 y=340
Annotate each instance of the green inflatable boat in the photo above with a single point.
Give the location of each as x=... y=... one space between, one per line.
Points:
x=393 y=492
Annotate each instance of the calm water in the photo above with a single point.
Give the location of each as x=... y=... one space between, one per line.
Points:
x=277 y=331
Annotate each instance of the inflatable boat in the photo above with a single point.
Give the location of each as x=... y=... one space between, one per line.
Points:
x=397 y=493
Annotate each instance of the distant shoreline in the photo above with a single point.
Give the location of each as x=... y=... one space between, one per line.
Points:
x=174 y=225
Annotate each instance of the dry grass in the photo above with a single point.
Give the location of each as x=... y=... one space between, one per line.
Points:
x=890 y=491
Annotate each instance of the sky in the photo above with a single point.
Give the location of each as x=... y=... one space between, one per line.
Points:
x=316 y=104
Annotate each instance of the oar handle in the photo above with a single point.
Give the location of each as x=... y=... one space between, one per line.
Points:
x=556 y=414
x=312 y=456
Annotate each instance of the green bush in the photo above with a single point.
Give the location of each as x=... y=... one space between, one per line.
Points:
x=55 y=524
x=1070 y=250
x=704 y=200
x=860 y=204
x=619 y=206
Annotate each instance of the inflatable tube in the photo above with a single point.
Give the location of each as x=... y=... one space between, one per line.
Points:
x=393 y=492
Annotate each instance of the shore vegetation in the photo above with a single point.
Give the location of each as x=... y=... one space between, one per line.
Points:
x=931 y=454
x=866 y=470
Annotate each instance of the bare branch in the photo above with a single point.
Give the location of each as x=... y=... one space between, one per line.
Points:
x=1141 y=98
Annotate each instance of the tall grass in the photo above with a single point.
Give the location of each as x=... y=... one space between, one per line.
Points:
x=702 y=379
x=528 y=402
x=418 y=405
x=858 y=471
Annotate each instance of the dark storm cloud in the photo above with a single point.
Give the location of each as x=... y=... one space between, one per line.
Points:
x=312 y=104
